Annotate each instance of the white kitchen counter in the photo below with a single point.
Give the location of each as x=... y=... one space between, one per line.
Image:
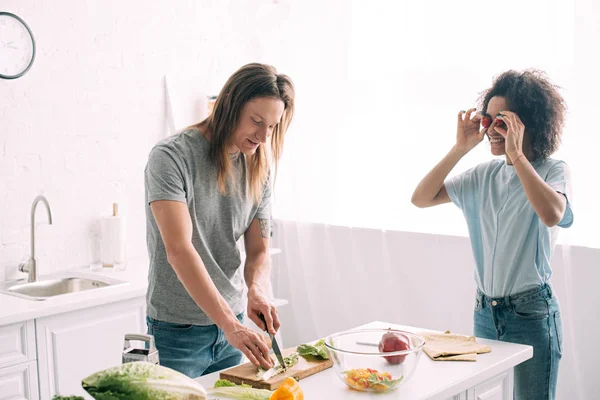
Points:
x=432 y=380
x=135 y=281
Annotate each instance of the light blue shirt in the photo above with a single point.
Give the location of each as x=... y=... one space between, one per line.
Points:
x=511 y=245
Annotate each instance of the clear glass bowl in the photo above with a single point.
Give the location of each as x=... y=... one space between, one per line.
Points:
x=358 y=362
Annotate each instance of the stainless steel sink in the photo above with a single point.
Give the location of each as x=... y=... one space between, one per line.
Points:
x=51 y=287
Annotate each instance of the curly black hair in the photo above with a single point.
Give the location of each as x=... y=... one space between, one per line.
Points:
x=532 y=96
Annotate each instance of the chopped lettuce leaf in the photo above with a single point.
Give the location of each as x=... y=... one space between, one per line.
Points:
x=316 y=350
x=289 y=361
x=229 y=389
x=224 y=383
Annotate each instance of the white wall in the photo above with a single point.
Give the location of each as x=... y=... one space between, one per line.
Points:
x=79 y=125
x=338 y=277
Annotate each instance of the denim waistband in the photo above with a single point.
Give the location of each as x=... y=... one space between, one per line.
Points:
x=543 y=291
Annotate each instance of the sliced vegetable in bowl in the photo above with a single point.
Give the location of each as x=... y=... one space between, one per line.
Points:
x=366 y=378
x=375 y=359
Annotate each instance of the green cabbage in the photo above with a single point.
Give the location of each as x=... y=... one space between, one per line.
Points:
x=142 y=381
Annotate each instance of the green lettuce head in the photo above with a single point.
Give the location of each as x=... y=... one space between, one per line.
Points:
x=142 y=381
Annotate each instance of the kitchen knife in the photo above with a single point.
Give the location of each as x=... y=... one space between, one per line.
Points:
x=275 y=345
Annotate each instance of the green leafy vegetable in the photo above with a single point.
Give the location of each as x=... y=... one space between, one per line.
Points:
x=224 y=383
x=374 y=379
x=142 y=381
x=229 y=389
x=289 y=361
x=57 y=397
x=366 y=378
x=316 y=350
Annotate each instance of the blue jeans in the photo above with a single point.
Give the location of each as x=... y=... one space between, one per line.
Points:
x=533 y=318
x=191 y=349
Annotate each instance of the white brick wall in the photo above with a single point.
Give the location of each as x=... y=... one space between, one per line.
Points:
x=78 y=126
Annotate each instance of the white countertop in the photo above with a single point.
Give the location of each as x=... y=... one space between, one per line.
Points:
x=134 y=284
x=432 y=380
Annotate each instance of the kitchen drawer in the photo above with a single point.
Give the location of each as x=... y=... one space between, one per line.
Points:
x=17 y=343
x=499 y=387
x=19 y=382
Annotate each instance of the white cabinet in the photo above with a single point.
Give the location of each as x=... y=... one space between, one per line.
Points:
x=499 y=387
x=19 y=382
x=460 y=396
x=18 y=369
x=74 y=345
x=17 y=343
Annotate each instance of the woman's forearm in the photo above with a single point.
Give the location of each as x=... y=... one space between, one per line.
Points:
x=427 y=193
x=547 y=203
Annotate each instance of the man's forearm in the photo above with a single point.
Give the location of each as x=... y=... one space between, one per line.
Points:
x=192 y=273
x=257 y=271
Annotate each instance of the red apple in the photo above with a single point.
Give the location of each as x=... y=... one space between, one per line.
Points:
x=394 y=341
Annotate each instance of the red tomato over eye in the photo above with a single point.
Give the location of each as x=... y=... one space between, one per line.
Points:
x=500 y=123
x=486 y=122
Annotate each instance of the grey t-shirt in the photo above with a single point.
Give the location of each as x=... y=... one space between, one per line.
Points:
x=179 y=169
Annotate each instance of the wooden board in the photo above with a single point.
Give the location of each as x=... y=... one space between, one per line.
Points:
x=246 y=373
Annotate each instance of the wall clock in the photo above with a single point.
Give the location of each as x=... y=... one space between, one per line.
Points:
x=17 y=46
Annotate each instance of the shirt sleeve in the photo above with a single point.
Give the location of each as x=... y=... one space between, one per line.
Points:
x=164 y=179
x=460 y=188
x=264 y=208
x=559 y=179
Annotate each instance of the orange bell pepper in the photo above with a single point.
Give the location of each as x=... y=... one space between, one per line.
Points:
x=289 y=390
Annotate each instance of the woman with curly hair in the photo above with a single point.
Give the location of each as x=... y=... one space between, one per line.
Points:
x=513 y=207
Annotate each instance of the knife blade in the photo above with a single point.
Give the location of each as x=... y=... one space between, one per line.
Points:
x=275 y=345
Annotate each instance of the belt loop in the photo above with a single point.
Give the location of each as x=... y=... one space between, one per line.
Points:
x=549 y=289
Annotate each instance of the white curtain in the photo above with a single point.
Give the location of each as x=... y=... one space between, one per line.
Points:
x=336 y=278
x=377 y=111
x=379 y=84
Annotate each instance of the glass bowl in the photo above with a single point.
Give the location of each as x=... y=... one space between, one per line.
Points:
x=359 y=363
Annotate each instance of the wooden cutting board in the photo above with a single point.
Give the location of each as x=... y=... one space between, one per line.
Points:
x=246 y=373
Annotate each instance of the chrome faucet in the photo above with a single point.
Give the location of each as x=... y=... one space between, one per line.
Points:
x=30 y=265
